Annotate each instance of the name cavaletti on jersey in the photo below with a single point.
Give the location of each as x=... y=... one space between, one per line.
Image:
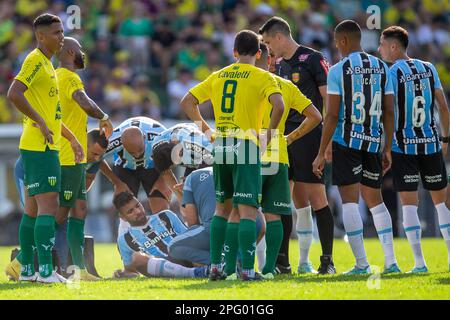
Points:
x=234 y=74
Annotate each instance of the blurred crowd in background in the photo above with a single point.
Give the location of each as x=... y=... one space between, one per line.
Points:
x=144 y=55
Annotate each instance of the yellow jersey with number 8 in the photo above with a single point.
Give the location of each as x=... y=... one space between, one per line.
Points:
x=238 y=93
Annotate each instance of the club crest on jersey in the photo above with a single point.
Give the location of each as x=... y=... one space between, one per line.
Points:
x=303 y=57
x=68 y=195
x=295 y=77
x=52 y=181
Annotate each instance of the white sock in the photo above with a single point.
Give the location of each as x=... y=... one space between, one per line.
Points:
x=413 y=231
x=444 y=225
x=383 y=224
x=354 y=228
x=304 y=230
x=163 y=268
x=261 y=253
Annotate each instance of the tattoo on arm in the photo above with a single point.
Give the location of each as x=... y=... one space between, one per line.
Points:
x=87 y=104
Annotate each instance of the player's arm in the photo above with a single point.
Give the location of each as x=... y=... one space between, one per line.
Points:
x=313 y=118
x=93 y=110
x=189 y=104
x=171 y=182
x=276 y=100
x=16 y=96
x=388 y=126
x=74 y=143
x=323 y=93
x=443 y=116
x=329 y=126
x=119 y=185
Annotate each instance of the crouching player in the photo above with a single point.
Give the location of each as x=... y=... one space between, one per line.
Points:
x=144 y=247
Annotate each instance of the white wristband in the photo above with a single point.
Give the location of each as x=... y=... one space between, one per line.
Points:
x=105 y=117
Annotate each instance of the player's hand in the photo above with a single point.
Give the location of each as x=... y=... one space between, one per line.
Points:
x=288 y=139
x=318 y=165
x=329 y=153
x=444 y=149
x=46 y=132
x=123 y=274
x=77 y=150
x=121 y=187
x=106 y=127
x=179 y=186
x=386 y=161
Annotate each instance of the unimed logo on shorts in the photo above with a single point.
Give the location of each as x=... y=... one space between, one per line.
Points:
x=52 y=181
x=242 y=195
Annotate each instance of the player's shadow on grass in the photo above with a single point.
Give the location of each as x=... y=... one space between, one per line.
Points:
x=344 y=278
x=444 y=280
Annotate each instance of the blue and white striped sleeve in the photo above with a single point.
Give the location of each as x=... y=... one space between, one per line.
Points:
x=126 y=253
x=437 y=81
x=334 y=80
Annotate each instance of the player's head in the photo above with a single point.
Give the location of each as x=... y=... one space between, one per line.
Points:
x=130 y=209
x=264 y=60
x=163 y=156
x=49 y=32
x=71 y=53
x=276 y=33
x=246 y=43
x=133 y=141
x=347 y=37
x=393 y=42
x=97 y=143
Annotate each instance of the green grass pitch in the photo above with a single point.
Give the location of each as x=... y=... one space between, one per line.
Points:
x=435 y=285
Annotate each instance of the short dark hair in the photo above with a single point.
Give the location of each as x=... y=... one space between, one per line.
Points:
x=349 y=27
x=162 y=155
x=95 y=136
x=121 y=199
x=264 y=50
x=45 y=20
x=275 y=24
x=397 y=33
x=246 y=43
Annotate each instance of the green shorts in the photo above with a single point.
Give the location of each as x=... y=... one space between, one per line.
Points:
x=237 y=172
x=276 y=194
x=73 y=185
x=42 y=171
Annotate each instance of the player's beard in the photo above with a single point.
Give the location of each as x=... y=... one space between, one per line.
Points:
x=79 y=60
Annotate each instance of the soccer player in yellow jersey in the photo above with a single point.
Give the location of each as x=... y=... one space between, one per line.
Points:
x=34 y=92
x=76 y=107
x=276 y=199
x=237 y=93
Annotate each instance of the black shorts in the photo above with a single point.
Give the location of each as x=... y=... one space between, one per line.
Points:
x=351 y=166
x=302 y=153
x=406 y=169
x=134 y=178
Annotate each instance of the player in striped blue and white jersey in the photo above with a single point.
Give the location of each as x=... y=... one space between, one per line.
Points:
x=144 y=247
x=359 y=97
x=416 y=150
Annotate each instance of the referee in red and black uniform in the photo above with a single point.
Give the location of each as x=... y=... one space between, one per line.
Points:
x=307 y=69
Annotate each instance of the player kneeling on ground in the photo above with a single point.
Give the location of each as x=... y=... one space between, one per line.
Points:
x=144 y=247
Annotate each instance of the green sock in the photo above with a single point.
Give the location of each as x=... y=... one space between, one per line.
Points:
x=247 y=243
x=75 y=238
x=44 y=236
x=218 y=229
x=274 y=237
x=26 y=240
x=231 y=247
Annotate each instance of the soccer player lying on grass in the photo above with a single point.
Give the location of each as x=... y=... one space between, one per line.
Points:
x=144 y=247
x=198 y=210
x=96 y=147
